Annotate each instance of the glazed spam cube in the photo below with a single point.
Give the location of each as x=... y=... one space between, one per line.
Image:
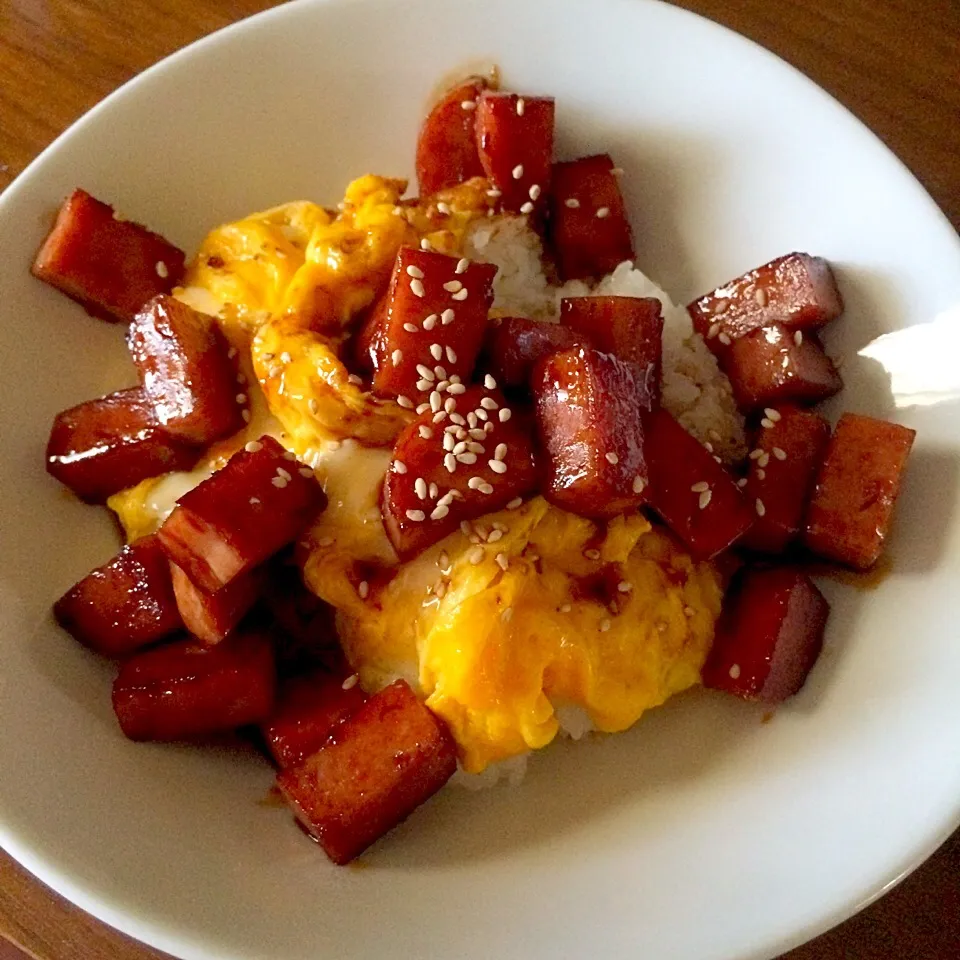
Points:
x=111 y=266
x=242 y=515
x=185 y=689
x=102 y=446
x=377 y=768
x=787 y=454
x=515 y=141
x=126 y=604
x=181 y=358
x=469 y=458
x=447 y=152
x=694 y=495
x=515 y=344
x=211 y=616
x=856 y=489
x=769 y=635
x=797 y=290
x=589 y=407
x=589 y=229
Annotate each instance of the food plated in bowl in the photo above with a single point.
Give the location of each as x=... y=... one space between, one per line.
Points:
x=595 y=814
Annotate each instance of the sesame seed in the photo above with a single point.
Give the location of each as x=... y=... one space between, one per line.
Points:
x=489 y=382
x=742 y=482
x=735 y=672
x=460 y=447
x=436 y=401
x=405 y=402
x=798 y=337
x=763 y=459
x=354 y=379
x=689 y=612
x=399 y=467
x=481 y=414
x=767 y=423
x=162 y=270
x=448 y=442
x=468 y=104
x=638 y=484
x=416 y=288
x=253 y=446
x=425 y=244
x=535 y=191
x=415 y=272
x=507 y=615
x=497 y=466
x=475 y=447
x=760 y=295
x=396 y=357
x=284 y=473
x=325 y=542
x=451 y=355
x=231 y=353
x=474 y=483
x=456 y=417
x=279 y=482
x=363 y=589
x=447 y=499
x=494 y=192
x=518 y=171
x=420 y=487
x=611 y=457
x=708 y=447
x=756 y=454
x=410 y=327
x=500 y=452
x=462 y=265
x=488 y=403
x=436 y=351
x=486 y=488
x=430 y=322
x=452 y=286
x=488 y=427
x=245 y=414
x=526 y=207
x=761 y=509
x=521 y=104
x=254 y=501
x=468 y=458
x=450 y=462
x=350 y=682
x=603 y=212
x=779 y=453
x=441 y=588
x=443 y=208
x=566 y=608
x=761 y=474
x=450 y=404
x=705 y=499
x=472 y=418
x=475 y=556
x=440 y=373
x=425 y=431
x=725 y=339
x=426 y=372
x=505 y=414
x=417 y=516
x=713 y=331
x=495 y=535
x=572 y=202
x=285 y=357
x=502 y=561
x=423 y=385
x=462 y=294
x=439 y=512
x=700 y=487
x=624 y=586
x=446 y=317
x=592 y=554
x=604 y=625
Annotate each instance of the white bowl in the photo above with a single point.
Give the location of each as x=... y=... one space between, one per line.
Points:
x=702 y=834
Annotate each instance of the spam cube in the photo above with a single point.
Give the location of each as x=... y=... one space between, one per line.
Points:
x=181 y=358
x=589 y=229
x=435 y=323
x=693 y=494
x=631 y=328
x=110 y=266
x=769 y=635
x=589 y=407
x=186 y=689
x=473 y=460
x=797 y=290
x=774 y=365
x=102 y=446
x=379 y=766
x=211 y=616
x=783 y=465
x=309 y=708
x=447 y=151
x=364 y=348
x=124 y=605
x=515 y=142
x=515 y=345
x=858 y=484
x=243 y=514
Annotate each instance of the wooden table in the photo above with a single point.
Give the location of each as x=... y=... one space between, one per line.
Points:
x=895 y=63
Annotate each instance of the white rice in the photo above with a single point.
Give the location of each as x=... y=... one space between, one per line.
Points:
x=695 y=391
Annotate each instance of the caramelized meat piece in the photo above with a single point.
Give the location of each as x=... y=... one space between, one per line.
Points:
x=211 y=616
x=515 y=344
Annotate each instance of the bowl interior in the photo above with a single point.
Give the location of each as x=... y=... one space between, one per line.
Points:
x=731 y=158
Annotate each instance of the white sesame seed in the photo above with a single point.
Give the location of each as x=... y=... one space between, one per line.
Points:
x=415 y=272
x=426 y=372
x=713 y=331
x=462 y=294
x=446 y=317
x=436 y=351
x=231 y=353
x=405 y=402
x=162 y=270
x=489 y=382
x=396 y=357
x=284 y=473
x=452 y=286
x=279 y=482
x=624 y=586
x=488 y=427
x=725 y=339
x=462 y=265
x=363 y=589
x=488 y=403
x=535 y=191
x=518 y=171
x=410 y=327
x=350 y=682
x=441 y=588
x=436 y=401
x=767 y=423
x=420 y=487
x=572 y=202
x=566 y=608
x=468 y=104
x=474 y=483
x=507 y=615
x=497 y=466
x=425 y=244
x=254 y=501
x=439 y=512
x=604 y=625
x=425 y=431
x=253 y=446
x=526 y=207
x=735 y=672
x=494 y=536
x=761 y=509
x=761 y=474
x=285 y=357
x=603 y=212
x=354 y=379
x=440 y=373
x=417 y=516
x=481 y=413
x=468 y=458
x=798 y=337
x=611 y=457
x=456 y=417
x=742 y=482
x=325 y=542
x=443 y=208
x=592 y=554
x=245 y=415
x=475 y=556
x=505 y=414
x=445 y=501
x=494 y=192
x=416 y=288
x=638 y=484
x=705 y=499
x=450 y=404
x=475 y=447
x=756 y=454
x=472 y=418
x=399 y=467
x=451 y=355
x=455 y=378
x=760 y=295
x=502 y=561
x=448 y=442
x=450 y=462
x=461 y=447
x=500 y=452
x=515 y=503
x=772 y=413
x=763 y=459
x=780 y=453
x=423 y=385
x=700 y=487
x=708 y=447
x=486 y=488
x=430 y=322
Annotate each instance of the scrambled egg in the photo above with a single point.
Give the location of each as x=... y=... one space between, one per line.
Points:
x=500 y=625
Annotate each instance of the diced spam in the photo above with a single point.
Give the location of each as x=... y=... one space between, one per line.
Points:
x=102 y=446
x=126 y=604
x=769 y=635
x=211 y=616
x=309 y=708
x=447 y=146
x=589 y=407
x=797 y=290
x=589 y=229
x=785 y=460
x=482 y=476
x=631 y=328
x=111 y=266
x=243 y=514
x=437 y=318
x=365 y=347
x=185 y=689
x=851 y=508
x=379 y=766
x=774 y=365
x=694 y=495
x=181 y=358
x=515 y=344
x=515 y=141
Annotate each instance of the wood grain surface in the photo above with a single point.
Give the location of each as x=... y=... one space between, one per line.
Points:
x=894 y=63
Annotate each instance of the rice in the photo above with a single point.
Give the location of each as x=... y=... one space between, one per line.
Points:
x=695 y=390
